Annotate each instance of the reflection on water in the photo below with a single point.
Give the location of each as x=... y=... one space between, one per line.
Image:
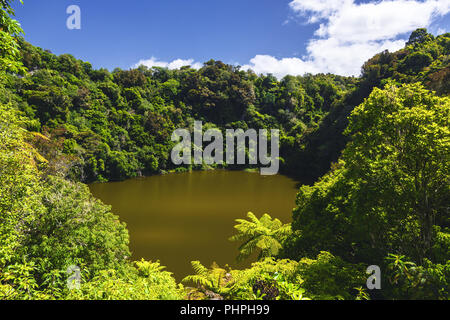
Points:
x=178 y=218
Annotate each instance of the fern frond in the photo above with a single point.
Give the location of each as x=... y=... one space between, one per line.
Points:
x=198 y=280
x=199 y=268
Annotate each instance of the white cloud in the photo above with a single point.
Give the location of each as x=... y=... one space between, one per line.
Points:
x=175 y=64
x=330 y=55
x=318 y=9
x=348 y=33
x=279 y=68
x=376 y=21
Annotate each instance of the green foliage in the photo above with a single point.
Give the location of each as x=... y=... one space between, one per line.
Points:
x=146 y=282
x=125 y=119
x=390 y=190
x=209 y=282
x=9 y=48
x=328 y=277
x=218 y=283
x=419 y=36
x=20 y=182
x=399 y=151
x=75 y=229
x=268 y=279
x=47 y=225
x=384 y=202
x=409 y=281
x=130 y=115
x=416 y=62
x=265 y=234
x=424 y=59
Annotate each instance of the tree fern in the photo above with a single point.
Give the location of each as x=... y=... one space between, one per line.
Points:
x=205 y=279
x=265 y=234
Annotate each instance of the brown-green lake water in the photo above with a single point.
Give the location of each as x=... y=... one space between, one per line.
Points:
x=178 y=218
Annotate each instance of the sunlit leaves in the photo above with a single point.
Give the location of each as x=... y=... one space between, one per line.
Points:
x=265 y=234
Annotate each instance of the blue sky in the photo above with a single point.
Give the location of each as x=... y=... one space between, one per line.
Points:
x=276 y=36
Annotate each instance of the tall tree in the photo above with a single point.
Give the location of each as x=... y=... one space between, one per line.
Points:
x=9 y=31
x=390 y=191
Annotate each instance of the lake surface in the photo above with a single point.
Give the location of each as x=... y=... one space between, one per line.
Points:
x=178 y=218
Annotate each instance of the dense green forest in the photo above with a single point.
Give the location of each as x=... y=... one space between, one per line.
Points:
x=373 y=152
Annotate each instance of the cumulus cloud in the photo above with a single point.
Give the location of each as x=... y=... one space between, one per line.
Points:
x=349 y=33
x=351 y=22
x=331 y=55
x=280 y=67
x=318 y=9
x=175 y=64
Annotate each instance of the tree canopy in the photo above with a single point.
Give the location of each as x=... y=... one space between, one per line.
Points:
x=373 y=152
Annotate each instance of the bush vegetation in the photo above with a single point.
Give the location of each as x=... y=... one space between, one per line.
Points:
x=374 y=151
